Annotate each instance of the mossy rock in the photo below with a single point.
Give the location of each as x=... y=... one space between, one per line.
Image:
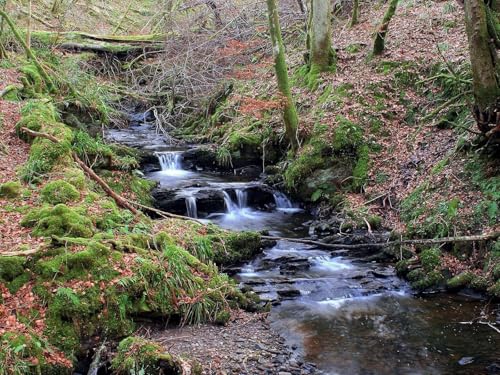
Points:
x=430 y=258
x=59 y=221
x=59 y=191
x=494 y=290
x=460 y=280
x=422 y=280
x=11 y=267
x=479 y=283
x=11 y=189
x=75 y=177
x=138 y=355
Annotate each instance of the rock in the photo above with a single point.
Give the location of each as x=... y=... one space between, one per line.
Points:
x=290 y=293
x=465 y=361
x=493 y=369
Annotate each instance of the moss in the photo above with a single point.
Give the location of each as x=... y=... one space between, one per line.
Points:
x=494 y=290
x=360 y=172
x=75 y=177
x=480 y=283
x=459 y=281
x=11 y=189
x=28 y=353
x=222 y=318
x=496 y=272
x=59 y=221
x=110 y=216
x=375 y=221
x=18 y=282
x=422 y=280
x=11 y=267
x=430 y=258
x=402 y=267
x=59 y=191
x=138 y=355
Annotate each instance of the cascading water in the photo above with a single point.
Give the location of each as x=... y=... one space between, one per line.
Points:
x=192 y=209
x=241 y=198
x=282 y=200
x=169 y=160
x=228 y=202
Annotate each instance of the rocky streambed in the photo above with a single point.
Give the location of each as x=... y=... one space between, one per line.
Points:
x=346 y=312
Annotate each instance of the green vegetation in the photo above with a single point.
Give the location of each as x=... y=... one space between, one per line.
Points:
x=11 y=189
x=59 y=191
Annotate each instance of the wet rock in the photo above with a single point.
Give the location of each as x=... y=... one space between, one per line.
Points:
x=465 y=361
x=493 y=369
x=248 y=171
x=290 y=293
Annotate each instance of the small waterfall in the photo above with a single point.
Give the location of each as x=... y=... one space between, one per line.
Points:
x=242 y=198
x=169 y=160
x=228 y=202
x=282 y=200
x=192 y=209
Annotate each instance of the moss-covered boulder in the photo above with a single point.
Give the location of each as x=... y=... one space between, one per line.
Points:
x=59 y=191
x=11 y=189
x=460 y=281
x=60 y=220
x=11 y=267
x=136 y=355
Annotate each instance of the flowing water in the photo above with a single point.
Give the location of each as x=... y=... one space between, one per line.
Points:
x=344 y=313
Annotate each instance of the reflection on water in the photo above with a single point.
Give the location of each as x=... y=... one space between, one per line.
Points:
x=389 y=334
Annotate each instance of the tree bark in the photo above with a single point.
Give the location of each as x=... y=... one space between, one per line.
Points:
x=485 y=69
x=290 y=117
x=321 y=54
x=3 y=52
x=355 y=13
x=379 y=42
x=29 y=53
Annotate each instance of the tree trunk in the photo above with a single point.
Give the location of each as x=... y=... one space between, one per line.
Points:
x=28 y=27
x=379 y=43
x=290 y=117
x=321 y=54
x=3 y=52
x=355 y=13
x=485 y=70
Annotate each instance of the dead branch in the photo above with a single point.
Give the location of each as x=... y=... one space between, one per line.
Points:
x=433 y=241
x=122 y=202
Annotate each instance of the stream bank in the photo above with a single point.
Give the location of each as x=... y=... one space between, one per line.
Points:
x=345 y=311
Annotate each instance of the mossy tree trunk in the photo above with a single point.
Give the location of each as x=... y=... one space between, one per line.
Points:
x=48 y=81
x=321 y=54
x=28 y=27
x=355 y=13
x=290 y=117
x=379 y=42
x=3 y=52
x=483 y=45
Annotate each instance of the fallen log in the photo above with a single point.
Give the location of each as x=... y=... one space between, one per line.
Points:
x=432 y=241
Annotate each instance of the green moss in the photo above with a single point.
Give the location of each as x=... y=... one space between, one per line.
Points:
x=28 y=353
x=495 y=273
x=423 y=280
x=480 y=283
x=430 y=258
x=360 y=172
x=11 y=267
x=11 y=189
x=459 y=281
x=59 y=191
x=494 y=290
x=59 y=221
x=110 y=216
x=402 y=267
x=75 y=177
x=137 y=355
x=18 y=282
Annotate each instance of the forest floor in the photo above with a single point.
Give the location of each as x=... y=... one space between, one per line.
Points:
x=13 y=154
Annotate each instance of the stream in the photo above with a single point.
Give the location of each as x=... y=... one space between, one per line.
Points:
x=342 y=312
